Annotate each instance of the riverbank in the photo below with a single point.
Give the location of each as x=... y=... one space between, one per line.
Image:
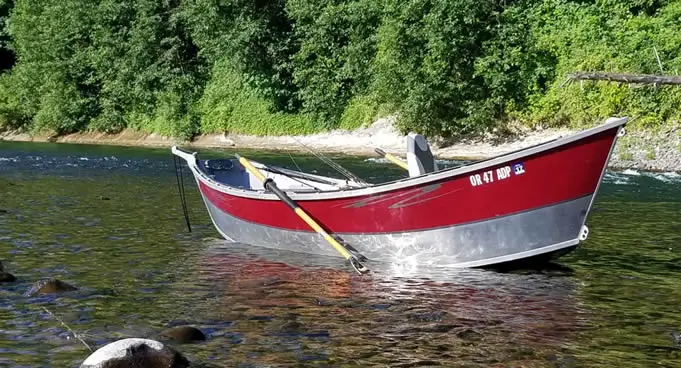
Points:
x=644 y=149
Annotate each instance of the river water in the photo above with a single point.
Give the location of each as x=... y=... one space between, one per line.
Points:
x=108 y=220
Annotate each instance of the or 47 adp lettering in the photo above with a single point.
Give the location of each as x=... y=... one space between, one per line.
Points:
x=491 y=176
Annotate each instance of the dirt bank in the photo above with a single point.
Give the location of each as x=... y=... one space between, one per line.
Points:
x=639 y=149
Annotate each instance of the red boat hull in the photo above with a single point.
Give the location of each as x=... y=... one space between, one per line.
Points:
x=518 y=192
x=549 y=178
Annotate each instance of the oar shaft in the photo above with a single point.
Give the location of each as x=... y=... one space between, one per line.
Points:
x=252 y=169
x=392 y=159
x=270 y=185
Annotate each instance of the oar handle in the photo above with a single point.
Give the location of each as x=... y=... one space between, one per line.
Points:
x=392 y=158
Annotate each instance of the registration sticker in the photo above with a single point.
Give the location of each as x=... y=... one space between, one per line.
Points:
x=499 y=174
x=518 y=168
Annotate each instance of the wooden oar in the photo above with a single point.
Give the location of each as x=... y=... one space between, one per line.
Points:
x=270 y=185
x=392 y=159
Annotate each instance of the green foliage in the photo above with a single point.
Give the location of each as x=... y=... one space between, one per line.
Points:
x=337 y=41
x=256 y=36
x=605 y=37
x=13 y=114
x=52 y=79
x=228 y=104
x=447 y=67
x=147 y=67
x=84 y=65
x=361 y=111
x=6 y=54
x=426 y=64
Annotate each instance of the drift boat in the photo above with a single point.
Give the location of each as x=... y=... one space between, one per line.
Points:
x=532 y=203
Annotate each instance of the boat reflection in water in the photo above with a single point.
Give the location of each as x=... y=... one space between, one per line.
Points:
x=288 y=305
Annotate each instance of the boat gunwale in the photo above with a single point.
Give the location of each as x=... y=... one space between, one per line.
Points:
x=404 y=183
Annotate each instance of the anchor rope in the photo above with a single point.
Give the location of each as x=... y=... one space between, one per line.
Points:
x=180 y=186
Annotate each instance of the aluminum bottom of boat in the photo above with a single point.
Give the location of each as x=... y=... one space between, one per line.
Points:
x=541 y=231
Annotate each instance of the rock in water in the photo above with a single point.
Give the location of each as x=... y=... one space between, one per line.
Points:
x=135 y=353
x=183 y=334
x=51 y=286
x=7 y=277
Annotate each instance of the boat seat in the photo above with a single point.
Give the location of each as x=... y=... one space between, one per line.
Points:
x=420 y=159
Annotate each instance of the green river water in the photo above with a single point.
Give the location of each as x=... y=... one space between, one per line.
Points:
x=108 y=220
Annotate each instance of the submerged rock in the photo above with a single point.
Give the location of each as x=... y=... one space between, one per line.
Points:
x=135 y=353
x=183 y=334
x=469 y=335
x=288 y=324
x=51 y=286
x=5 y=276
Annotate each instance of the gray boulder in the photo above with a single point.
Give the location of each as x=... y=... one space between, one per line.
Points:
x=135 y=353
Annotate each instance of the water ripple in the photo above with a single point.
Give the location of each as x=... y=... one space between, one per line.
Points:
x=613 y=302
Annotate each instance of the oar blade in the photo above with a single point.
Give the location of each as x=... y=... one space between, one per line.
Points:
x=359 y=267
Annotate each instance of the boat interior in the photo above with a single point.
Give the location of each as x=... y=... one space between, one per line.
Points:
x=230 y=172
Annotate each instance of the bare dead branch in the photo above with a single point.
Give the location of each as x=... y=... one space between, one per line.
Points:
x=627 y=78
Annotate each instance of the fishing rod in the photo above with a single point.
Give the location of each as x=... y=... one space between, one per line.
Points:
x=343 y=171
x=293 y=176
x=296 y=174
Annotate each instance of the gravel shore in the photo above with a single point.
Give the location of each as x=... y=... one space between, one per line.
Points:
x=639 y=149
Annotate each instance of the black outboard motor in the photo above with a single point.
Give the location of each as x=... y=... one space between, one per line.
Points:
x=419 y=157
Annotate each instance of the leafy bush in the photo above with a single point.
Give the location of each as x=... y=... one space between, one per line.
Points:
x=337 y=41
x=6 y=54
x=256 y=37
x=228 y=104
x=605 y=37
x=86 y=65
